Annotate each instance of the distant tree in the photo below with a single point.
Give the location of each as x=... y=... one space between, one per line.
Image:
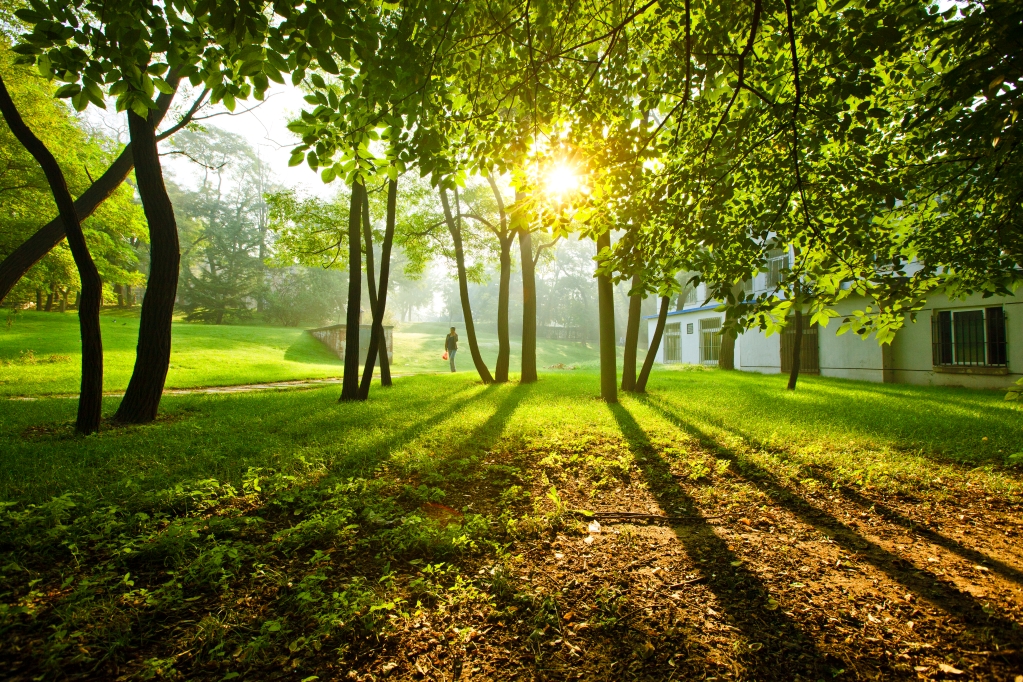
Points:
x=222 y=269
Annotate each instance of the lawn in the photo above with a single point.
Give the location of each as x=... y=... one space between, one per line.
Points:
x=40 y=353
x=845 y=530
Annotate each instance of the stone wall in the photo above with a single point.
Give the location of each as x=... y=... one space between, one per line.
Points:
x=334 y=338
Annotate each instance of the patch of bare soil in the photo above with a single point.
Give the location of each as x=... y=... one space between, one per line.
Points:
x=753 y=579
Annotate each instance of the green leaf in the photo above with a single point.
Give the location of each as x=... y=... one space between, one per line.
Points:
x=69 y=90
x=163 y=86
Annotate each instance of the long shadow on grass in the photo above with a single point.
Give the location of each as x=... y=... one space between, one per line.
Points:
x=787 y=651
x=957 y=604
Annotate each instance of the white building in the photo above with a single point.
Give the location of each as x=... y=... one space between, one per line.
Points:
x=976 y=342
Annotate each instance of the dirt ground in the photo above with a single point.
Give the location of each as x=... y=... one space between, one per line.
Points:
x=752 y=578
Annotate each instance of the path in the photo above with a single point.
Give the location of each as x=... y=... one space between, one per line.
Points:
x=239 y=388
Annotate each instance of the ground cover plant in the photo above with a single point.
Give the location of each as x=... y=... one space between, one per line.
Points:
x=451 y=530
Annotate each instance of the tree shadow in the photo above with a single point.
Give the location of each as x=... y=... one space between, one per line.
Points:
x=956 y=603
x=1005 y=570
x=945 y=423
x=787 y=651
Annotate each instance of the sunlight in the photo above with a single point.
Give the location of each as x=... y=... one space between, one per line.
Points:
x=561 y=179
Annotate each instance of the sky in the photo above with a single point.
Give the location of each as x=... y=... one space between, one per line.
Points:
x=262 y=124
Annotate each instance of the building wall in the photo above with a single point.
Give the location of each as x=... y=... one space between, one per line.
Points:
x=849 y=356
x=911 y=351
x=758 y=352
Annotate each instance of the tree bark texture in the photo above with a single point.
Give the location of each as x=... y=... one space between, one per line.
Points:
x=463 y=291
x=608 y=350
x=49 y=301
x=655 y=343
x=632 y=337
x=377 y=301
x=528 y=307
x=152 y=357
x=31 y=251
x=797 y=347
x=350 y=381
x=90 y=401
x=503 y=296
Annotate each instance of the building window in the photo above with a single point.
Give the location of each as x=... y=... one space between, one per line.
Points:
x=689 y=328
x=710 y=339
x=693 y=295
x=673 y=343
x=969 y=337
x=777 y=266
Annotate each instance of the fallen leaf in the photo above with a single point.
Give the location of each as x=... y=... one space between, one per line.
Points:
x=797 y=585
x=771 y=605
x=594 y=527
x=737 y=563
x=588 y=540
x=932 y=560
x=921 y=668
x=559 y=555
x=755 y=646
x=983 y=569
x=568 y=616
x=946 y=668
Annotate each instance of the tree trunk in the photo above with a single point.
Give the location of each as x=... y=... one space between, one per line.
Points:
x=152 y=357
x=632 y=337
x=385 y=273
x=503 y=334
x=78 y=300
x=119 y=288
x=608 y=349
x=63 y=299
x=655 y=343
x=797 y=347
x=21 y=260
x=463 y=291
x=350 y=382
x=39 y=300
x=528 y=307
x=726 y=358
x=90 y=401
x=49 y=301
x=377 y=299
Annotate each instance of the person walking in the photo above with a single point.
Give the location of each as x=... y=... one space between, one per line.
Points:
x=451 y=347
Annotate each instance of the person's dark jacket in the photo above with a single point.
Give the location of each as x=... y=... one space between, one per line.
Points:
x=451 y=342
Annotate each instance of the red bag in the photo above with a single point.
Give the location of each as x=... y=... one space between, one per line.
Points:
x=445 y=357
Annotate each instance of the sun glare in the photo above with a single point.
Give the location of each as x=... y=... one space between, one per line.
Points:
x=561 y=180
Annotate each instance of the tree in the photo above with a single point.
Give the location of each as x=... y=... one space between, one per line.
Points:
x=222 y=270
x=455 y=228
x=608 y=347
x=97 y=48
x=632 y=335
x=90 y=403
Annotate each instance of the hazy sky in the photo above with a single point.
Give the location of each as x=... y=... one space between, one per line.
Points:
x=262 y=124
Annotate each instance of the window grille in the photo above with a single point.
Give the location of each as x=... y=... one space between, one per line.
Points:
x=693 y=296
x=776 y=269
x=672 y=343
x=689 y=328
x=710 y=339
x=969 y=338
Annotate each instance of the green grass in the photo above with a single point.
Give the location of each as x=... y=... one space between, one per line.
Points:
x=39 y=353
x=202 y=355
x=297 y=523
x=890 y=431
